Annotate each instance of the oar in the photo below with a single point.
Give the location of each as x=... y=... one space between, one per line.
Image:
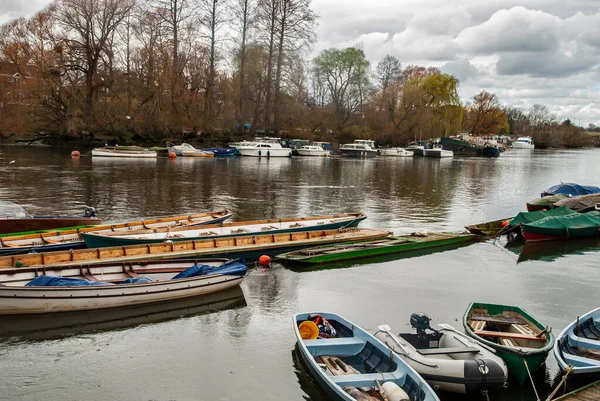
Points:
x=386 y=329
x=450 y=328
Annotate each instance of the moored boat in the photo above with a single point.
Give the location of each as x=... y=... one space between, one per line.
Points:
x=490 y=228
x=465 y=148
x=350 y=364
x=398 y=152
x=71 y=239
x=360 y=150
x=524 y=142
x=84 y=287
x=312 y=150
x=237 y=229
x=570 y=189
x=518 y=338
x=563 y=227
x=245 y=247
x=577 y=348
x=133 y=154
x=178 y=149
x=446 y=358
x=197 y=153
x=14 y=219
x=590 y=392
x=221 y=152
x=265 y=147
x=580 y=204
x=393 y=244
x=544 y=203
x=437 y=152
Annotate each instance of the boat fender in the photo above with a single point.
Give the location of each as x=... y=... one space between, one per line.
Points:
x=259 y=153
x=394 y=392
x=268 y=154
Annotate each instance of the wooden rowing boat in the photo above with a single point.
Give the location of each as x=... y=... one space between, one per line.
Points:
x=238 y=229
x=518 y=338
x=72 y=239
x=246 y=247
x=489 y=229
x=132 y=154
x=112 y=285
x=393 y=244
x=13 y=219
x=353 y=364
x=590 y=392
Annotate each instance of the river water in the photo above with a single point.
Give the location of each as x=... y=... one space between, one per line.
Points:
x=240 y=345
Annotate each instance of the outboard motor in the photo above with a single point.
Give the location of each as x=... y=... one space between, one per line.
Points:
x=420 y=322
x=89 y=211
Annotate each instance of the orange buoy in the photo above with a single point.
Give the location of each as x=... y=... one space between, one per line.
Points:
x=505 y=223
x=75 y=153
x=264 y=260
x=172 y=155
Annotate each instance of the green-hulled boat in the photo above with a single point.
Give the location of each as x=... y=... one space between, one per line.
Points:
x=392 y=244
x=489 y=228
x=518 y=338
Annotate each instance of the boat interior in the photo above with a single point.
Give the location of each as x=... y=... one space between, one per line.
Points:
x=584 y=340
x=355 y=365
x=510 y=329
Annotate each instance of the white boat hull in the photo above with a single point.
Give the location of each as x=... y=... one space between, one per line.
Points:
x=282 y=152
x=398 y=152
x=439 y=153
x=516 y=145
x=304 y=152
x=136 y=154
x=15 y=298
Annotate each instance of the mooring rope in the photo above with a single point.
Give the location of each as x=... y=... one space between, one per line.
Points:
x=537 y=397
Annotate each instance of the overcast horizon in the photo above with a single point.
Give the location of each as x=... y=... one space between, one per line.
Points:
x=525 y=51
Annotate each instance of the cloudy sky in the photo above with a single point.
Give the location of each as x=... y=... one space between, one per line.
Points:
x=525 y=51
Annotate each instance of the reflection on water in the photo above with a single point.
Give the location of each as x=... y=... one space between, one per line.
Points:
x=244 y=353
x=56 y=325
x=549 y=251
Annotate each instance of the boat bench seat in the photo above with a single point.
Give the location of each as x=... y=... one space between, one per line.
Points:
x=523 y=329
x=508 y=342
x=365 y=380
x=445 y=351
x=583 y=342
x=477 y=325
x=336 y=346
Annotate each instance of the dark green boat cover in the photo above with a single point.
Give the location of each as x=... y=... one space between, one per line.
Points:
x=570 y=226
x=547 y=200
x=530 y=217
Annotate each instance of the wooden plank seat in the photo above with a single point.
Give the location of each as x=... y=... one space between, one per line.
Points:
x=362 y=380
x=502 y=334
x=498 y=319
x=477 y=325
x=326 y=346
x=523 y=329
x=508 y=342
x=447 y=351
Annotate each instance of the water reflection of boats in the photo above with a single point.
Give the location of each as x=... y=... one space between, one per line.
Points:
x=550 y=251
x=56 y=325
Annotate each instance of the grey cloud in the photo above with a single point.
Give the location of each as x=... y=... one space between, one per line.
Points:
x=461 y=69
x=553 y=65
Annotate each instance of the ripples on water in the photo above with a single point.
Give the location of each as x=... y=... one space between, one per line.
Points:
x=244 y=350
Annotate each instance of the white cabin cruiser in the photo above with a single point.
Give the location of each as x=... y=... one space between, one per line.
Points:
x=266 y=147
x=398 y=152
x=312 y=150
x=524 y=142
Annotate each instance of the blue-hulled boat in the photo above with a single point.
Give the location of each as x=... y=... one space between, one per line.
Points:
x=222 y=152
x=578 y=348
x=352 y=365
x=571 y=189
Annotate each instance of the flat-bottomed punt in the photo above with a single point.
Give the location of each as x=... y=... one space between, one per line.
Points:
x=578 y=348
x=354 y=365
x=238 y=229
x=489 y=229
x=14 y=219
x=517 y=337
x=71 y=239
x=392 y=244
x=85 y=287
x=246 y=247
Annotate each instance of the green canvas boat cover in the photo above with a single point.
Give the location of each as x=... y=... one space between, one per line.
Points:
x=530 y=217
x=548 y=200
x=570 y=226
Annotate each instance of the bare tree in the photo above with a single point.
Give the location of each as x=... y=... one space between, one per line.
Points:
x=388 y=71
x=89 y=27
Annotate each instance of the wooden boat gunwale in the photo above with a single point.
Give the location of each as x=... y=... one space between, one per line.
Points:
x=492 y=228
x=48 y=237
x=191 y=249
x=363 y=249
